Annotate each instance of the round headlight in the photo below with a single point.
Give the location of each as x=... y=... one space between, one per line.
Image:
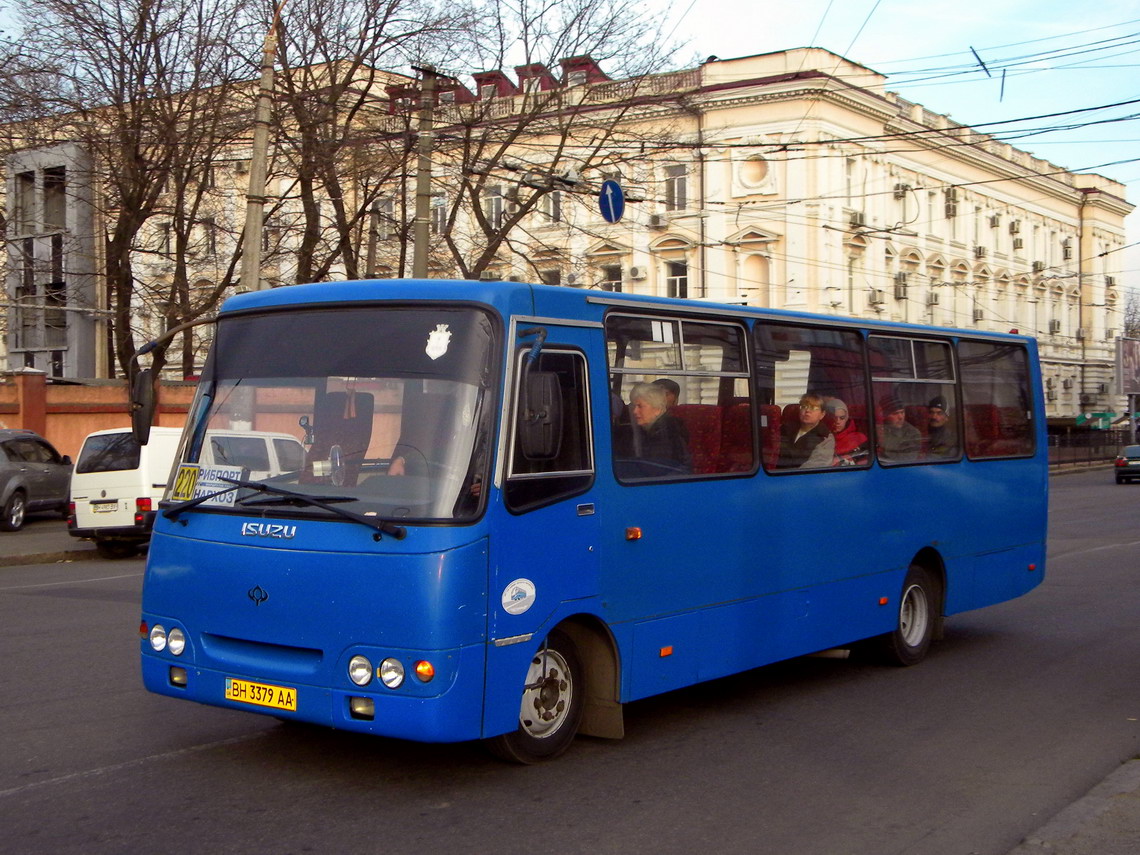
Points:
x=360 y=670
x=391 y=673
x=158 y=637
x=176 y=641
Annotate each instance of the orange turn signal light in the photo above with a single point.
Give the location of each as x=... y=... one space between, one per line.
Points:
x=424 y=670
x=667 y=651
x=884 y=600
x=633 y=533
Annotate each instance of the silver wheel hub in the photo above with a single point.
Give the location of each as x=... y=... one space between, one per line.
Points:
x=546 y=698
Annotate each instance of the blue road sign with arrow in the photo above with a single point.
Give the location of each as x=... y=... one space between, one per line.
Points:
x=611 y=200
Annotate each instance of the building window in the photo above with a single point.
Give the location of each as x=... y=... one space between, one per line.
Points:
x=677 y=278
x=438 y=215
x=551 y=277
x=611 y=277
x=552 y=206
x=675 y=188
x=24 y=207
x=493 y=206
x=55 y=199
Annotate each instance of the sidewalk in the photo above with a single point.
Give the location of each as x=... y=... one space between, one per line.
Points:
x=43 y=540
x=1105 y=821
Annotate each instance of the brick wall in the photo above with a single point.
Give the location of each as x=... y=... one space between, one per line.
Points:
x=65 y=413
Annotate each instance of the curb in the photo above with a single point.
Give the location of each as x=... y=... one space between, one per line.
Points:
x=1084 y=827
x=46 y=557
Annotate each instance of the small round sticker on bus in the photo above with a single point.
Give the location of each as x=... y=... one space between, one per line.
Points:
x=518 y=596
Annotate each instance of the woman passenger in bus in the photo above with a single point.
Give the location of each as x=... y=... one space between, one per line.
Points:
x=657 y=437
x=806 y=444
x=850 y=442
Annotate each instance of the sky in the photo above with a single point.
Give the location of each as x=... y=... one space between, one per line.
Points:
x=1057 y=57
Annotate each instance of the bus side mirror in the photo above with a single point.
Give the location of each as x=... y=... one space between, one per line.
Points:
x=540 y=420
x=142 y=405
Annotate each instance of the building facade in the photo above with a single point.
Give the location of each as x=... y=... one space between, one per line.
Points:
x=793 y=180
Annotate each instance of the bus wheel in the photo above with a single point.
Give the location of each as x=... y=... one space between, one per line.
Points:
x=918 y=612
x=551 y=705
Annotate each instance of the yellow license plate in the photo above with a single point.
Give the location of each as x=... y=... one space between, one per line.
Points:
x=259 y=694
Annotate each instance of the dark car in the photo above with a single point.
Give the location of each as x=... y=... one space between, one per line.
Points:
x=1128 y=463
x=33 y=477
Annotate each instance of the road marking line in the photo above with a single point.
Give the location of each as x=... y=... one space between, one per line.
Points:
x=129 y=764
x=70 y=582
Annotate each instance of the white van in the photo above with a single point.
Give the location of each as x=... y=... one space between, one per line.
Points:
x=263 y=453
x=116 y=486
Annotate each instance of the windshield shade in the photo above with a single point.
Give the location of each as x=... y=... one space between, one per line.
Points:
x=385 y=408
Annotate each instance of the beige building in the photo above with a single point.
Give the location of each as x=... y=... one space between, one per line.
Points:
x=797 y=180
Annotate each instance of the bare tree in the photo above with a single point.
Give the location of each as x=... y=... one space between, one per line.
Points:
x=1132 y=315
x=338 y=148
x=141 y=86
x=507 y=150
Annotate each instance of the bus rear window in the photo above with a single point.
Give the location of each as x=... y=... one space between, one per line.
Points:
x=110 y=452
x=997 y=405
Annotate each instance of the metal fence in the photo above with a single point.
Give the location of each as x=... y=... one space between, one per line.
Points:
x=1087 y=447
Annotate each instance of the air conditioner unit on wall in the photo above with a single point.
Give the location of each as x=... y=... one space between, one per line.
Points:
x=877 y=297
x=1087 y=398
x=1014 y=226
x=1080 y=333
x=1018 y=243
x=979 y=314
x=1038 y=266
x=1067 y=383
x=858 y=219
x=995 y=221
x=637 y=272
x=1054 y=326
x=979 y=252
x=932 y=298
x=1102 y=388
x=657 y=221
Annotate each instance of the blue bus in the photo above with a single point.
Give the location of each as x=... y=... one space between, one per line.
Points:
x=500 y=511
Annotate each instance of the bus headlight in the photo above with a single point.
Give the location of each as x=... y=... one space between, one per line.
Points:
x=391 y=673
x=158 y=637
x=176 y=641
x=360 y=670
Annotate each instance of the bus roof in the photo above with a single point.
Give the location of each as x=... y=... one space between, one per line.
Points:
x=552 y=301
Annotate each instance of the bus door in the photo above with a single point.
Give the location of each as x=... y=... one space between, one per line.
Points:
x=545 y=549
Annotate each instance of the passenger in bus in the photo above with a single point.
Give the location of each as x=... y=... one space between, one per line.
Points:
x=656 y=436
x=672 y=390
x=850 y=442
x=808 y=443
x=672 y=393
x=899 y=441
x=941 y=435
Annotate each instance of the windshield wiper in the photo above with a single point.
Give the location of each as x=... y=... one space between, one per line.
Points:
x=279 y=495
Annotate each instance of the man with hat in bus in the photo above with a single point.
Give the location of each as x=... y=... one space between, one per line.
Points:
x=899 y=440
x=941 y=436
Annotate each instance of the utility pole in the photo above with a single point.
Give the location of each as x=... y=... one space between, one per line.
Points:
x=255 y=195
x=421 y=229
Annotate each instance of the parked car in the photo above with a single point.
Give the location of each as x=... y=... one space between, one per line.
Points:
x=116 y=488
x=264 y=454
x=33 y=477
x=1127 y=464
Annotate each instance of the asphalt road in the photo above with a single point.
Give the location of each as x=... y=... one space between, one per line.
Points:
x=1021 y=709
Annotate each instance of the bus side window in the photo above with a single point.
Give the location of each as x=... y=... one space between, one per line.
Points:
x=532 y=482
x=813 y=393
x=997 y=405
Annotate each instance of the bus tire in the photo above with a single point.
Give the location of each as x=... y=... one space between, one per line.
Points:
x=551 y=708
x=919 y=608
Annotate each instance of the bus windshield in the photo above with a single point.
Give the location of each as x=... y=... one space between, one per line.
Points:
x=384 y=411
